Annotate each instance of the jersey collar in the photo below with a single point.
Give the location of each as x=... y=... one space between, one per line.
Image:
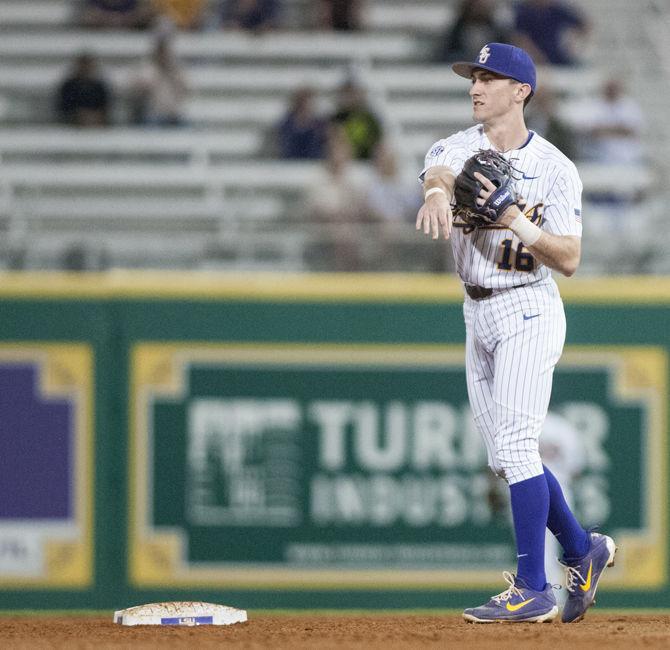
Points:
x=528 y=139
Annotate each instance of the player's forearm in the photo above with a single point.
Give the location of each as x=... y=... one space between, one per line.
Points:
x=440 y=177
x=559 y=252
x=435 y=213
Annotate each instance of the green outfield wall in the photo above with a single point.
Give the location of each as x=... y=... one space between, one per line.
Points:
x=303 y=441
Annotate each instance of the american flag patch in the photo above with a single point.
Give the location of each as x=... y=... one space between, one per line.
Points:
x=578 y=214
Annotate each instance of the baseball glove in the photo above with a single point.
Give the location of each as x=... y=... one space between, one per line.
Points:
x=500 y=172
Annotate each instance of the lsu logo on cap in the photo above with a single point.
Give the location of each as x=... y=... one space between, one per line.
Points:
x=484 y=54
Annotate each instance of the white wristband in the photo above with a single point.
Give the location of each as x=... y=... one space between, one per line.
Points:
x=525 y=230
x=433 y=190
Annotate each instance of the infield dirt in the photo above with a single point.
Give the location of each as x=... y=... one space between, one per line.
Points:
x=316 y=632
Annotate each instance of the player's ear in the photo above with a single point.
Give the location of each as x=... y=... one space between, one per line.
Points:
x=523 y=91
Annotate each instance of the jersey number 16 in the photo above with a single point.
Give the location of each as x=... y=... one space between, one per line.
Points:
x=518 y=260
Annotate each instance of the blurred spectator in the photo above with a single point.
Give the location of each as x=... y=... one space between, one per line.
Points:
x=302 y=132
x=550 y=31
x=543 y=118
x=116 y=14
x=392 y=200
x=183 y=14
x=361 y=126
x=159 y=89
x=613 y=124
x=335 y=200
x=83 y=98
x=390 y=197
x=340 y=15
x=611 y=129
x=476 y=22
x=251 y=15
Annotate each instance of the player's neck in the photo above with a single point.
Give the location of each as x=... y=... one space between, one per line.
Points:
x=506 y=133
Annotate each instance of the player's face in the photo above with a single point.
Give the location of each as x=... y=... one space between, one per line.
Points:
x=492 y=95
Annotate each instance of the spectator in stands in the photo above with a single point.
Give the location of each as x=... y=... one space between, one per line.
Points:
x=302 y=132
x=611 y=130
x=476 y=22
x=543 y=118
x=251 y=15
x=183 y=14
x=116 y=14
x=83 y=98
x=551 y=31
x=159 y=89
x=335 y=200
x=390 y=197
x=361 y=126
x=340 y=15
x=613 y=126
x=391 y=201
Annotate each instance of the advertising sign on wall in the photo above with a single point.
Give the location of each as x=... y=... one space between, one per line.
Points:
x=345 y=466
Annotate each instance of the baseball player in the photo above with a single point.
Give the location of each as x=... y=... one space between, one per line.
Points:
x=515 y=323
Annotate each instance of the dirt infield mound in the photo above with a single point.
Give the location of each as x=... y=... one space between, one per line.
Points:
x=313 y=632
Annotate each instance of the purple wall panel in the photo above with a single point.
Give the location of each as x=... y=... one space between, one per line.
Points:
x=36 y=461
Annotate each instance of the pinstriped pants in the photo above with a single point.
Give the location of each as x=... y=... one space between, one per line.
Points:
x=514 y=339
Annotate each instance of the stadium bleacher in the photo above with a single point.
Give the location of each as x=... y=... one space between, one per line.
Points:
x=210 y=182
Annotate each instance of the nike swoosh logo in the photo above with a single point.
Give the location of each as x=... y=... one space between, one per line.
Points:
x=587 y=585
x=531 y=316
x=529 y=178
x=514 y=608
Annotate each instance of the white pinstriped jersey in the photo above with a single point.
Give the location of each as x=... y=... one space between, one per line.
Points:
x=493 y=257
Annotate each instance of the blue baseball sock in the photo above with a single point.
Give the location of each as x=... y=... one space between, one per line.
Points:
x=530 y=508
x=562 y=523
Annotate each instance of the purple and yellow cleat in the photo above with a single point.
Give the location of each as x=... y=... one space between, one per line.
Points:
x=517 y=604
x=583 y=574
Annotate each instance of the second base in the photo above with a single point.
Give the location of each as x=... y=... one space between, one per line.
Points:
x=180 y=613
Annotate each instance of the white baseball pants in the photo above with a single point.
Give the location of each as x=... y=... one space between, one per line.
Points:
x=514 y=339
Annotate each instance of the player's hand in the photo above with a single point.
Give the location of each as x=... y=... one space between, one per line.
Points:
x=486 y=191
x=488 y=188
x=434 y=214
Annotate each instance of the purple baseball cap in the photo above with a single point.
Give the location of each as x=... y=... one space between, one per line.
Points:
x=506 y=60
